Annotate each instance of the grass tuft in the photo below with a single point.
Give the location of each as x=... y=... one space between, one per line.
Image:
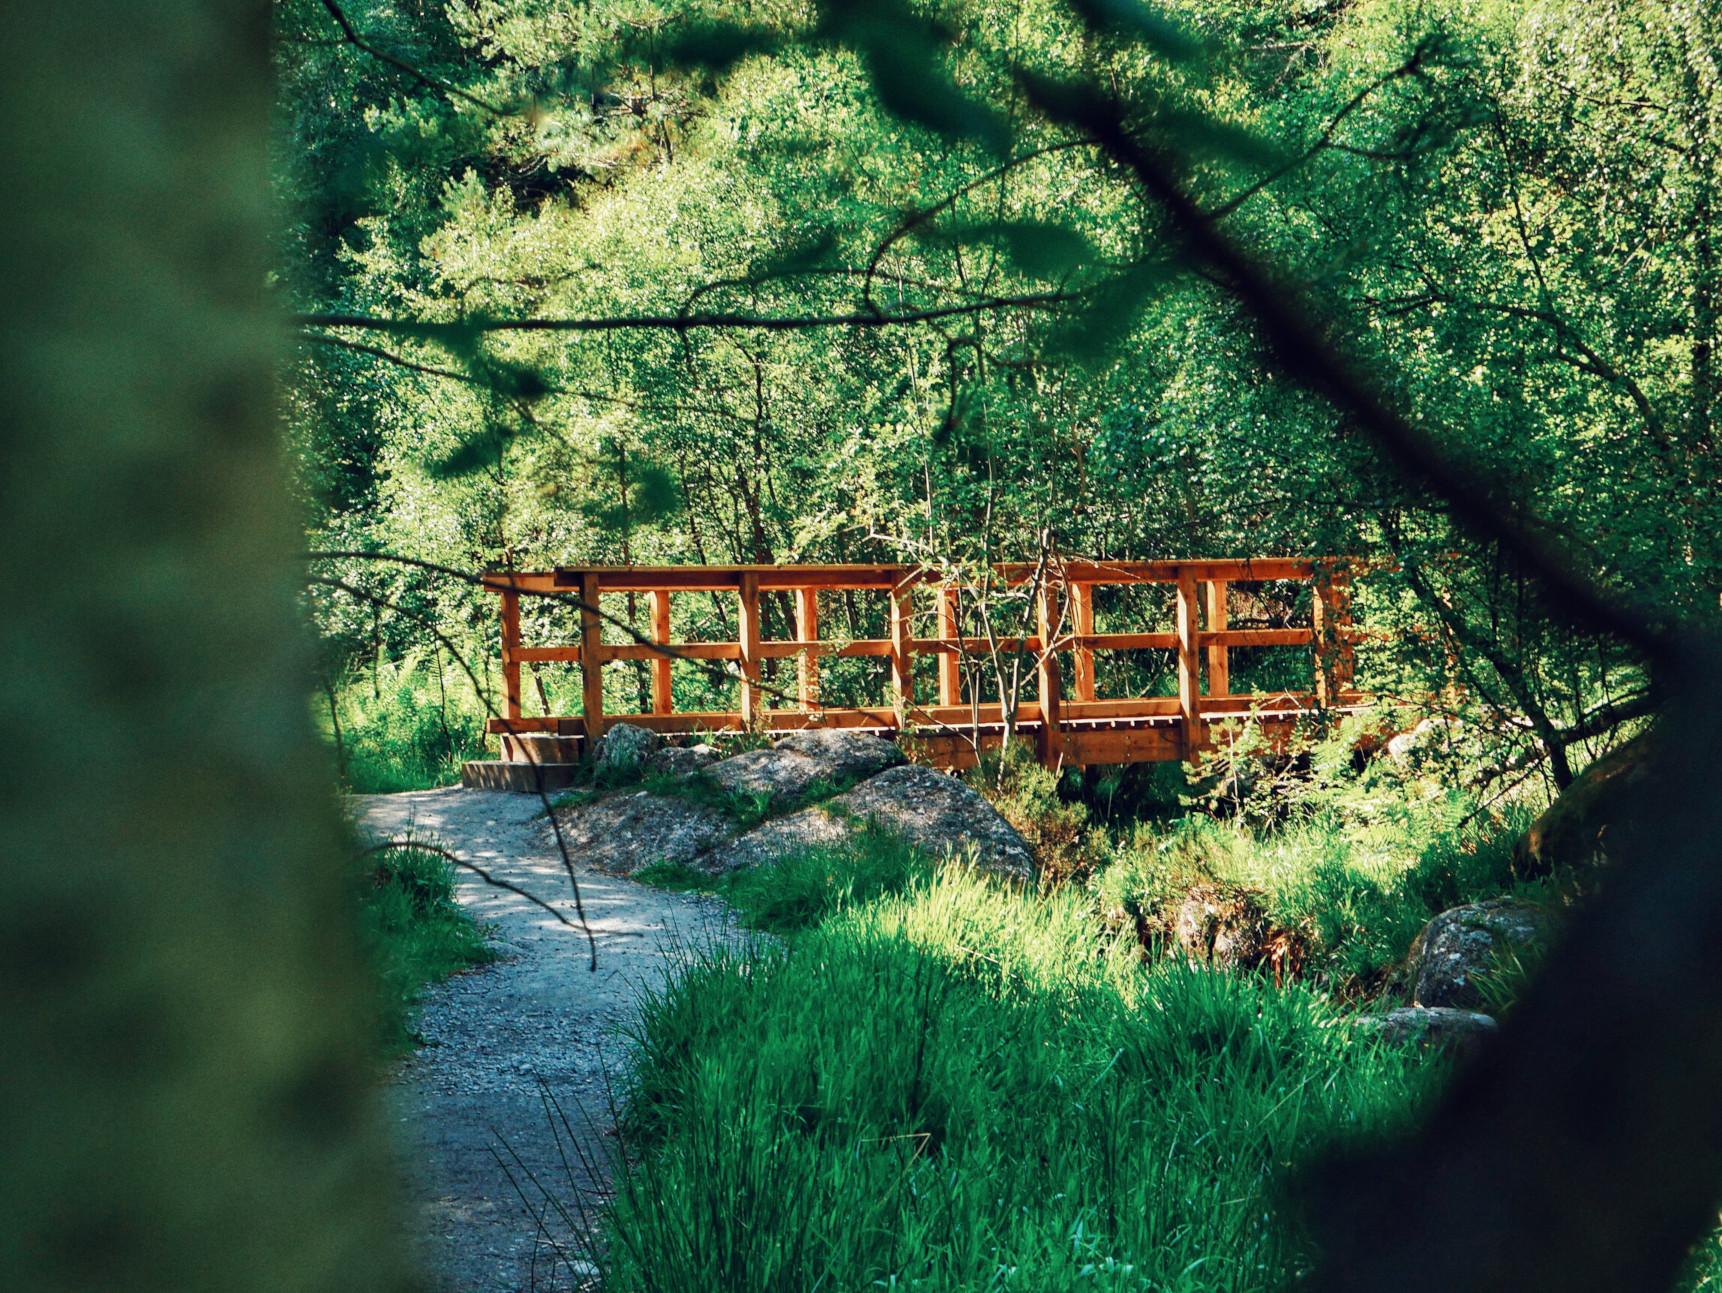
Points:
x=803 y=887
x=416 y=933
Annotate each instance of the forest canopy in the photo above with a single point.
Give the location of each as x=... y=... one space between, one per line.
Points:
x=618 y=282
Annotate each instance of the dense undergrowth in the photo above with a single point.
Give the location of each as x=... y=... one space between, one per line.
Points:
x=407 y=726
x=932 y=1079
x=415 y=931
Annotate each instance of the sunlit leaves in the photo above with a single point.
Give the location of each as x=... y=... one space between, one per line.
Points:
x=1166 y=37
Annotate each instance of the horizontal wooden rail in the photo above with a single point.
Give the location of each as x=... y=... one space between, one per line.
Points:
x=1070 y=724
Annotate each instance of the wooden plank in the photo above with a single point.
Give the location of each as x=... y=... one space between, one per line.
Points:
x=1189 y=708
x=1245 y=569
x=747 y=599
x=511 y=655
x=1126 y=641
x=902 y=658
x=1047 y=614
x=1126 y=745
x=591 y=660
x=540 y=654
x=640 y=579
x=807 y=631
x=1333 y=650
x=970 y=646
x=662 y=701
x=1219 y=656
x=950 y=660
x=1256 y=638
x=796 y=720
x=537 y=747
x=499 y=726
x=1162 y=710
x=1082 y=608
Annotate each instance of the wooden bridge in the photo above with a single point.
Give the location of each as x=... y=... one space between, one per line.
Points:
x=1067 y=721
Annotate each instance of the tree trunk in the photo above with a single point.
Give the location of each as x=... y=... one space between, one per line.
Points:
x=186 y=1071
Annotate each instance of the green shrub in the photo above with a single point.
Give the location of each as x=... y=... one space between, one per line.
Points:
x=1066 y=844
x=1352 y=890
x=411 y=735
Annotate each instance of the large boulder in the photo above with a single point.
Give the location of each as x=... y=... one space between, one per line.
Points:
x=1580 y=828
x=624 y=746
x=681 y=760
x=932 y=811
x=821 y=825
x=1461 y=1033
x=623 y=832
x=1223 y=927
x=800 y=762
x=1463 y=943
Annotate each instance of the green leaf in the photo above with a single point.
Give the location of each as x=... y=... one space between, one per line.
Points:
x=477 y=453
x=800 y=256
x=656 y=494
x=903 y=61
x=1091 y=338
x=1133 y=17
x=1200 y=134
x=515 y=381
x=1037 y=248
x=719 y=45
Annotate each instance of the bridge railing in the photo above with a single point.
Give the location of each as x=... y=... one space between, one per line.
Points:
x=1071 y=725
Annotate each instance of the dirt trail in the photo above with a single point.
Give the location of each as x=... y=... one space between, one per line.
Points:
x=471 y=1102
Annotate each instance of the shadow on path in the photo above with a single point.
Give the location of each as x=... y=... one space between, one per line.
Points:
x=508 y=1045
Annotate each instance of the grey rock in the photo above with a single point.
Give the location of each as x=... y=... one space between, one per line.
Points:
x=1462 y=943
x=681 y=760
x=843 y=755
x=1224 y=928
x=1409 y=749
x=623 y=832
x=1460 y=1032
x=809 y=828
x=940 y=814
x=933 y=811
x=798 y=763
x=623 y=746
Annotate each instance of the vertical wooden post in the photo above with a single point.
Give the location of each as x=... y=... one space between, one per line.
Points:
x=1333 y=663
x=748 y=593
x=807 y=630
x=902 y=661
x=591 y=661
x=1189 y=668
x=1051 y=684
x=1219 y=657
x=1082 y=608
x=661 y=699
x=950 y=662
x=510 y=645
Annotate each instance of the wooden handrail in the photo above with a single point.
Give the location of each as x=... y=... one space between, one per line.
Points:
x=1063 y=726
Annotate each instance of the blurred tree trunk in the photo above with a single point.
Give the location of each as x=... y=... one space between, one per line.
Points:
x=186 y=1082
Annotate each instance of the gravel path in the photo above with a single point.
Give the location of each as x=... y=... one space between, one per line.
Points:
x=510 y=1044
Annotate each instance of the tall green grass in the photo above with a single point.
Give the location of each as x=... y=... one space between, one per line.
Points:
x=803 y=887
x=415 y=931
x=961 y=1086
x=404 y=729
x=1354 y=889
